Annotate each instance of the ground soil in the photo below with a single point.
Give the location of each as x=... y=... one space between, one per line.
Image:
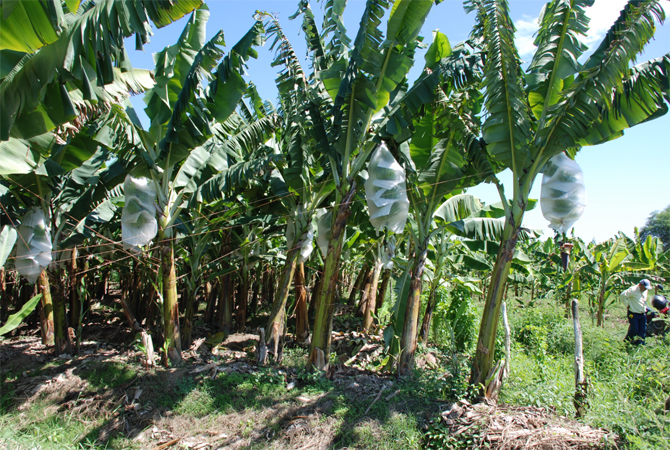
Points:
x=108 y=387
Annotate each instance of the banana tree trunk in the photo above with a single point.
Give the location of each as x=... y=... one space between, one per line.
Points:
x=408 y=339
x=386 y=278
x=372 y=297
x=75 y=301
x=325 y=301
x=532 y=291
x=271 y=287
x=210 y=299
x=428 y=316
x=241 y=317
x=135 y=288
x=360 y=279
x=255 y=288
x=224 y=316
x=47 y=315
x=81 y=283
x=170 y=303
x=301 y=322
x=188 y=296
x=483 y=362
x=132 y=321
x=311 y=309
x=276 y=321
x=61 y=335
x=365 y=293
x=101 y=286
x=4 y=300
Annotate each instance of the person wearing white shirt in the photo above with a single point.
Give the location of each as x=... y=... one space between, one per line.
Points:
x=635 y=299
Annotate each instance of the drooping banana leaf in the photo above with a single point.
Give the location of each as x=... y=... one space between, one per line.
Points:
x=555 y=62
x=458 y=207
x=580 y=108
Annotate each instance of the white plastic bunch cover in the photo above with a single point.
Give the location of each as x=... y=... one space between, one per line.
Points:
x=33 y=251
x=563 y=194
x=386 y=191
x=138 y=219
x=323 y=223
x=307 y=244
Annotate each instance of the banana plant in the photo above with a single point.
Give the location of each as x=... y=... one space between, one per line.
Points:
x=608 y=262
x=559 y=105
x=192 y=132
x=364 y=81
x=70 y=187
x=196 y=235
x=301 y=182
x=442 y=158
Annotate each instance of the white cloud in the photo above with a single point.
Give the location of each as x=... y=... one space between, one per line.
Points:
x=526 y=28
x=603 y=13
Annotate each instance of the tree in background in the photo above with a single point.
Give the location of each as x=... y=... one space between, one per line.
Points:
x=658 y=225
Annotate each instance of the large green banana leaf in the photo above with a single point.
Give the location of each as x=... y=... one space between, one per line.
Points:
x=458 y=207
x=508 y=126
x=591 y=107
x=88 y=45
x=562 y=26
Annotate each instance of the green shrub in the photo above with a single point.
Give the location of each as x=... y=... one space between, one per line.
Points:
x=454 y=313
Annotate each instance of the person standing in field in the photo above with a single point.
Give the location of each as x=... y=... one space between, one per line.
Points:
x=635 y=299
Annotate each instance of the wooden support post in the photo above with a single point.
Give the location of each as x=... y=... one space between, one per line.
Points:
x=581 y=386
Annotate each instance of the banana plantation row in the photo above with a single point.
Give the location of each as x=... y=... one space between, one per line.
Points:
x=217 y=204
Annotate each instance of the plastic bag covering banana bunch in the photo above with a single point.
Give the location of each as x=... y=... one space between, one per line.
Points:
x=388 y=252
x=386 y=191
x=563 y=194
x=33 y=251
x=323 y=224
x=307 y=244
x=138 y=219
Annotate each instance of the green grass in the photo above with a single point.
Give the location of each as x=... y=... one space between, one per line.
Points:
x=109 y=375
x=40 y=427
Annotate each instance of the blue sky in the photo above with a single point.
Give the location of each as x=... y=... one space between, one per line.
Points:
x=626 y=179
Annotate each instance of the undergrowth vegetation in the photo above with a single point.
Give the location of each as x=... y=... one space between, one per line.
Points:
x=627 y=384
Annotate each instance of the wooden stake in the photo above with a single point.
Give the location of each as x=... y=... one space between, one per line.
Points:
x=580 y=399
